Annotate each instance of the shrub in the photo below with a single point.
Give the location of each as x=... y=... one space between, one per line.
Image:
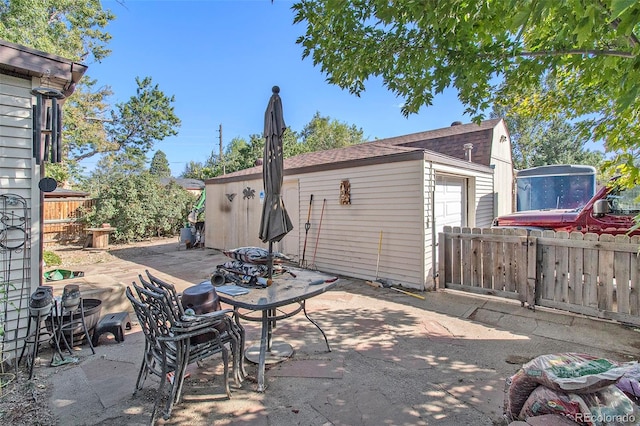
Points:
x=140 y=207
x=50 y=258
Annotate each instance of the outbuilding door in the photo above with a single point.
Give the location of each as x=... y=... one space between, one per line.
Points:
x=450 y=201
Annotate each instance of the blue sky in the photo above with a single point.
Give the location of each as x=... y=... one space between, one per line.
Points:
x=220 y=58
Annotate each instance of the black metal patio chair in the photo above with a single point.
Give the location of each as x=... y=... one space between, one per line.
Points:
x=234 y=327
x=170 y=347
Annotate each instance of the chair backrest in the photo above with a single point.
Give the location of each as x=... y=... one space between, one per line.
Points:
x=162 y=312
x=152 y=328
x=170 y=288
x=170 y=297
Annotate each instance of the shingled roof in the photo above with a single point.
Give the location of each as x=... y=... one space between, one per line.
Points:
x=442 y=144
x=451 y=140
x=193 y=184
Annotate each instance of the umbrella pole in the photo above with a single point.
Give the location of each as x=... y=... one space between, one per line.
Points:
x=270 y=264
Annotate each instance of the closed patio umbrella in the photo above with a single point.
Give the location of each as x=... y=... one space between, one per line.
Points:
x=275 y=222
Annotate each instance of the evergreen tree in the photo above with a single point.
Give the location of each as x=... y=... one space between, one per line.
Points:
x=160 y=165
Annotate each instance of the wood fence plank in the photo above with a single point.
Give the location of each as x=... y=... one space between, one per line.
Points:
x=487 y=259
x=608 y=245
x=444 y=257
x=456 y=272
x=561 y=290
x=634 y=280
x=590 y=272
x=532 y=266
x=466 y=257
x=548 y=260
x=498 y=262
x=521 y=266
x=509 y=263
x=476 y=260
x=605 y=275
x=621 y=272
x=576 y=255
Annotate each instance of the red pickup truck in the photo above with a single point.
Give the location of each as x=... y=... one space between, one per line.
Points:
x=610 y=211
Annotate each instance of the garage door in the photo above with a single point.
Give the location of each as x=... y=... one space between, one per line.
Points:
x=450 y=205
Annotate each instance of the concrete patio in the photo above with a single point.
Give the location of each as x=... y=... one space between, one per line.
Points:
x=395 y=359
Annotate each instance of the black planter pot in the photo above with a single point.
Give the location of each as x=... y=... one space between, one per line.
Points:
x=92 y=309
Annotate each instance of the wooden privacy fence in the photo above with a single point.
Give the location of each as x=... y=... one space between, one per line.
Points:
x=583 y=273
x=63 y=220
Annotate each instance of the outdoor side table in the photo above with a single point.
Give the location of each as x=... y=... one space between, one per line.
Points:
x=100 y=238
x=263 y=303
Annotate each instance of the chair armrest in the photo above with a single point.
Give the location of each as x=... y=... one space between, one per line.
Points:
x=180 y=334
x=220 y=314
x=203 y=321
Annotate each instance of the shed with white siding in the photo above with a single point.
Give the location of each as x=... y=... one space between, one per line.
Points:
x=397 y=188
x=21 y=70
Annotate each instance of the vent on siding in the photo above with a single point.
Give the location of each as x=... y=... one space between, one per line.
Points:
x=468 y=147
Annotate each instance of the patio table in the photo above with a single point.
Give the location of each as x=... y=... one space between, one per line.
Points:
x=285 y=298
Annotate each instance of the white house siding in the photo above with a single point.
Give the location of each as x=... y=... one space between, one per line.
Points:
x=289 y=245
x=503 y=177
x=385 y=197
x=19 y=176
x=235 y=223
x=478 y=203
x=479 y=190
x=429 y=234
x=15 y=131
x=484 y=198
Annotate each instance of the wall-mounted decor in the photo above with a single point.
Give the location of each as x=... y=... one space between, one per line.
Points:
x=47 y=125
x=248 y=193
x=345 y=192
x=230 y=197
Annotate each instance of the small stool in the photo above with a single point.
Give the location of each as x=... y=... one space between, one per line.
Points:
x=115 y=324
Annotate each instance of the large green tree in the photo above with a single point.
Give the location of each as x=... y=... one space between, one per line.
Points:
x=69 y=28
x=491 y=51
x=138 y=123
x=76 y=30
x=195 y=170
x=91 y=128
x=139 y=206
x=321 y=133
x=538 y=142
x=160 y=165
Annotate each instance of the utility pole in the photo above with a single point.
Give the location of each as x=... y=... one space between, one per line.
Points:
x=221 y=159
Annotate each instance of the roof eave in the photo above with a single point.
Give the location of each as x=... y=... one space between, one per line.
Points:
x=368 y=161
x=20 y=60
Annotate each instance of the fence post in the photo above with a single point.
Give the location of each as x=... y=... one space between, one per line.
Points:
x=444 y=257
x=532 y=267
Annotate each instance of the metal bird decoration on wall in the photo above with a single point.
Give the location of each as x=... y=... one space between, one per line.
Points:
x=230 y=197
x=248 y=193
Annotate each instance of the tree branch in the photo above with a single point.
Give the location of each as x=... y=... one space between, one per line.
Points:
x=633 y=39
x=53 y=17
x=96 y=151
x=618 y=53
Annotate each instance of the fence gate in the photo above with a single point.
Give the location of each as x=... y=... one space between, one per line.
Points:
x=588 y=274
